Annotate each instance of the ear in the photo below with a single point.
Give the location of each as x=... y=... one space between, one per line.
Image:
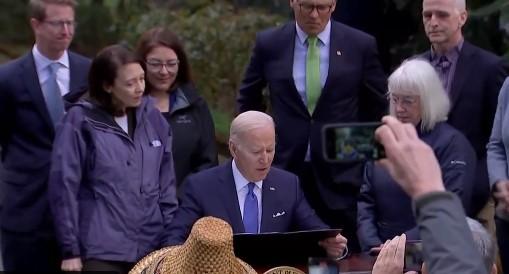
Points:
x=34 y=24
x=233 y=149
x=333 y=6
x=293 y=3
x=107 y=88
x=463 y=18
x=494 y=269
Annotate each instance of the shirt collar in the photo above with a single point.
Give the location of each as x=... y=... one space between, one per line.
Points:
x=42 y=61
x=323 y=36
x=451 y=54
x=240 y=180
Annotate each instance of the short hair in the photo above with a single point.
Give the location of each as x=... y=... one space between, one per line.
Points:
x=37 y=8
x=418 y=77
x=484 y=243
x=248 y=121
x=160 y=36
x=103 y=71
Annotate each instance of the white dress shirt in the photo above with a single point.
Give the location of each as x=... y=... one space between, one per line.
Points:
x=42 y=64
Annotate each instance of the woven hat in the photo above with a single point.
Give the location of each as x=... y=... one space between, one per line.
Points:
x=208 y=249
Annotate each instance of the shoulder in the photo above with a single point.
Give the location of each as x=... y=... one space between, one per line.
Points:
x=282 y=176
x=350 y=32
x=8 y=69
x=482 y=56
x=78 y=58
x=446 y=135
x=276 y=31
x=207 y=180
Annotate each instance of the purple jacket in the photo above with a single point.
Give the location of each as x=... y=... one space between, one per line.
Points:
x=112 y=196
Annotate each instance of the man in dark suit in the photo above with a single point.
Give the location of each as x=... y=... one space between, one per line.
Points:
x=247 y=192
x=33 y=93
x=471 y=76
x=350 y=88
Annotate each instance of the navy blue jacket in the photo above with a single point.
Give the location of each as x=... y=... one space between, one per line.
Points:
x=354 y=91
x=212 y=192
x=26 y=138
x=112 y=195
x=385 y=210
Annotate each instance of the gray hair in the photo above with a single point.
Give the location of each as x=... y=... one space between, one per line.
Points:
x=417 y=77
x=247 y=121
x=484 y=243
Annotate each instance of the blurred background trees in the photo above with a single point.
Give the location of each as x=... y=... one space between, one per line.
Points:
x=219 y=34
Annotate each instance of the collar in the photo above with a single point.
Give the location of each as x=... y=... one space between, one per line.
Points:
x=240 y=180
x=42 y=61
x=323 y=36
x=451 y=54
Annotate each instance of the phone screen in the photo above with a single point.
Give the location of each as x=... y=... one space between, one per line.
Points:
x=351 y=142
x=413 y=256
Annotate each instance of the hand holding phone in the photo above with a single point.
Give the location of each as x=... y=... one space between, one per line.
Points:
x=413 y=256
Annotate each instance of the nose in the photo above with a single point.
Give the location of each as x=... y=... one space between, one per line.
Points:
x=264 y=158
x=399 y=108
x=140 y=87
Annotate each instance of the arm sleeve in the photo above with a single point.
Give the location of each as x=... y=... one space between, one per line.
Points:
x=448 y=245
x=206 y=152
x=496 y=155
x=68 y=158
x=168 y=186
x=458 y=163
x=189 y=211
x=250 y=95
x=367 y=229
x=305 y=216
x=373 y=103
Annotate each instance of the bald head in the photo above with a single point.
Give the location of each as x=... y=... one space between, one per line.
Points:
x=461 y=5
x=248 y=121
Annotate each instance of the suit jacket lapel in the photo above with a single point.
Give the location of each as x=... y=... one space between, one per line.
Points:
x=31 y=80
x=229 y=197
x=463 y=69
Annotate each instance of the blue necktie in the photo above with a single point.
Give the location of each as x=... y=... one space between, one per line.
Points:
x=444 y=65
x=251 y=211
x=52 y=95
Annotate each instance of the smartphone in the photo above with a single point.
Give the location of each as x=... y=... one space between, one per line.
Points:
x=322 y=266
x=351 y=142
x=413 y=256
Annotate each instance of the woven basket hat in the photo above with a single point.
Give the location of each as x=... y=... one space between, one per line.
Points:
x=209 y=249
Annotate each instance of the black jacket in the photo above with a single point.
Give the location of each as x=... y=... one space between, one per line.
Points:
x=194 y=142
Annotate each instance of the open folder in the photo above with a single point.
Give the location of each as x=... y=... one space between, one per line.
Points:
x=281 y=248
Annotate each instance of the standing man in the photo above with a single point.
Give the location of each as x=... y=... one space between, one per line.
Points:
x=318 y=71
x=471 y=76
x=33 y=91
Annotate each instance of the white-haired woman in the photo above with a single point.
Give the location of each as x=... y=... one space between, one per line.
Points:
x=416 y=96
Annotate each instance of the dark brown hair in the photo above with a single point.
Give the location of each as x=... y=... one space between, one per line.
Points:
x=103 y=71
x=160 y=36
x=37 y=8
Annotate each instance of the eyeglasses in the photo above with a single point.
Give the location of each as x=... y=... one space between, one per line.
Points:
x=308 y=8
x=61 y=23
x=404 y=101
x=157 y=65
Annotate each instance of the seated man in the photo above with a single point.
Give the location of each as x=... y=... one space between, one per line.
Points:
x=247 y=192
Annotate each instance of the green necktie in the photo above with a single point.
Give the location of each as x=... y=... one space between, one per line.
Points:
x=313 y=86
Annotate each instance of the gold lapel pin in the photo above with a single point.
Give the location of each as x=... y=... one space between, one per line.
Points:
x=338 y=53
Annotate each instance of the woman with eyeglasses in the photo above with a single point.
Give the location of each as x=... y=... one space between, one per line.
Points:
x=417 y=97
x=169 y=82
x=112 y=187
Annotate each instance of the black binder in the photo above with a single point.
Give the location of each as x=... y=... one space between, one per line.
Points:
x=281 y=248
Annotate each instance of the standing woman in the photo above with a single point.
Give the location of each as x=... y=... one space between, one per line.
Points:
x=498 y=171
x=169 y=82
x=112 y=184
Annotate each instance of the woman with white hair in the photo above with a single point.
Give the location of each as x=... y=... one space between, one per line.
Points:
x=417 y=97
